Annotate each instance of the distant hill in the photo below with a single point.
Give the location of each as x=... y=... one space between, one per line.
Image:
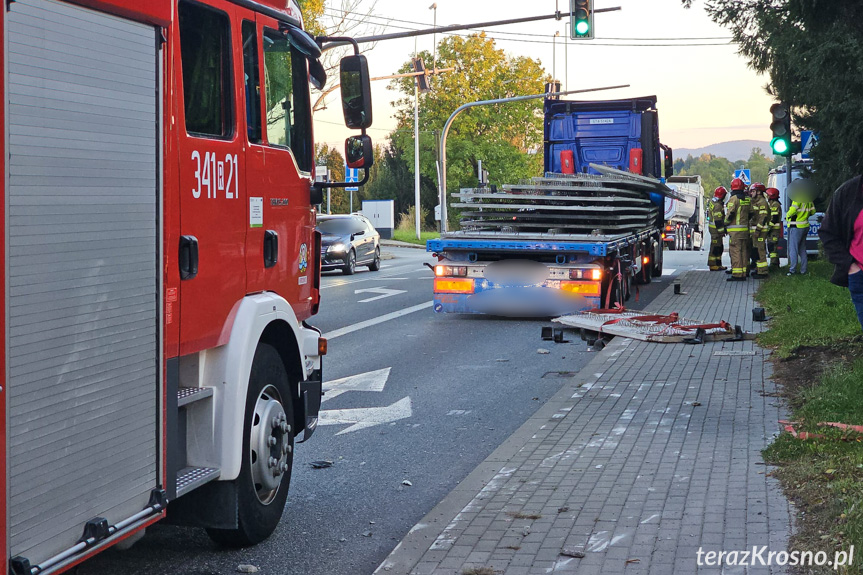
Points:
x=733 y=151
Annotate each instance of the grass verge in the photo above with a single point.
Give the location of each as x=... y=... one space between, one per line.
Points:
x=806 y=310
x=815 y=333
x=411 y=236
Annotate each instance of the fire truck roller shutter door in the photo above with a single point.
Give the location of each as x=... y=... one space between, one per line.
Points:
x=83 y=272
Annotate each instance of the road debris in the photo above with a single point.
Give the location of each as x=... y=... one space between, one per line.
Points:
x=543 y=351
x=407 y=483
x=572 y=553
x=247 y=569
x=657 y=328
x=323 y=464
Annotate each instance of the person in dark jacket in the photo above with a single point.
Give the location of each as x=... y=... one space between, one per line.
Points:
x=842 y=236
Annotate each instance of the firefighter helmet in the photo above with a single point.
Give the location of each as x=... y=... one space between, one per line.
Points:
x=772 y=193
x=759 y=187
x=737 y=185
x=720 y=192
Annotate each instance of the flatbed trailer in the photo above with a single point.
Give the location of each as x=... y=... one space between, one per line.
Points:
x=541 y=275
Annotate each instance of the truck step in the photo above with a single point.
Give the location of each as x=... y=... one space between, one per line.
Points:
x=186 y=395
x=190 y=478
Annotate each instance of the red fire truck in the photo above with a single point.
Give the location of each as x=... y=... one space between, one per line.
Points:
x=161 y=263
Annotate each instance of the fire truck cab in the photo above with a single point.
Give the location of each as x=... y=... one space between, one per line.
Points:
x=161 y=263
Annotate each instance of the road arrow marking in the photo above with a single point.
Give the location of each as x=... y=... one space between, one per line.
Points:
x=363 y=417
x=370 y=381
x=381 y=290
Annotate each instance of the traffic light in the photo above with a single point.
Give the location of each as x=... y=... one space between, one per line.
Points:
x=581 y=19
x=781 y=128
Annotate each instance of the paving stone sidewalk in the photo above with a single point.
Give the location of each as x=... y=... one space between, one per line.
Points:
x=648 y=454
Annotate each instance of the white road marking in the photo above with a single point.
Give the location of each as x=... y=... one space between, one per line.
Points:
x=670 y=272
x=384 y=293
x=369 y=381
x=375 y=321
x=331 y=282
x=364 y=417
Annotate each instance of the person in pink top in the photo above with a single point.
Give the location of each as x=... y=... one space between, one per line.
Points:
x=842 y=236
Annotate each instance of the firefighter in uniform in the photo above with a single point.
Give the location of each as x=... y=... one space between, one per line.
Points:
x=775 y=225
x=717 y=229
x=737 y=225
x=759 y=226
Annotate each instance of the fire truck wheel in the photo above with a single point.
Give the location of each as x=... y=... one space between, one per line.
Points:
x=376 y=265
x=268 y=453
x=350 y=263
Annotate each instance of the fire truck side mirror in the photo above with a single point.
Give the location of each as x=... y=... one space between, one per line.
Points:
x=359 y=152
x=317 y=74
x=356 y=92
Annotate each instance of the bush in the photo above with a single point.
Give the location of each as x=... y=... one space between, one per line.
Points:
x=407 y=220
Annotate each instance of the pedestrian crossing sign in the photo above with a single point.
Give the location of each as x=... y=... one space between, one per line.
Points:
x=743 y=175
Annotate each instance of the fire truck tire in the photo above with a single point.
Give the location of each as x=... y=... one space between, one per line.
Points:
x=268 y=453
x=350 y=263
x=376 y=264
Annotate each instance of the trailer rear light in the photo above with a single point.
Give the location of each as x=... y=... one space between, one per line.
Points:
x=453 y=286
x=458 y=271
x=645 y=260
x=663 y=236
x=322 y=346
x=583 y=288
x=596 y=275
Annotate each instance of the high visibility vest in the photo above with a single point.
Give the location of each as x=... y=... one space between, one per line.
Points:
x=799 y=213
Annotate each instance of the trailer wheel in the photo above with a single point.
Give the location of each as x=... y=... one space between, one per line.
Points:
x=657 y=265
x=350 y=263
x=268 y=453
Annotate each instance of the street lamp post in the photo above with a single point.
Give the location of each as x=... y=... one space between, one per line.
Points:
x=434 y=38
x=554 y=56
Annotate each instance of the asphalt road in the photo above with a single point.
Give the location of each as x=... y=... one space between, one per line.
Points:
x=439 y=394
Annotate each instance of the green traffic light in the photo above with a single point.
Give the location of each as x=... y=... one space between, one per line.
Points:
x=582 y=27
x=779 y=146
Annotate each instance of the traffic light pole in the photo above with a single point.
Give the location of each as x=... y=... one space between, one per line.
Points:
x=462 y=108
x=458 y=27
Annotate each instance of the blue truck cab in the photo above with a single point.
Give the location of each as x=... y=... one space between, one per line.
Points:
x=613 y=132
x=571 y=239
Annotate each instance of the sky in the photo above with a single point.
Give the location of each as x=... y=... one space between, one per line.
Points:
x=706 y=94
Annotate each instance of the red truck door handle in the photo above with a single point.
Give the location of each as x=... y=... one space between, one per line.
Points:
x=271 y=248
x=188 y=257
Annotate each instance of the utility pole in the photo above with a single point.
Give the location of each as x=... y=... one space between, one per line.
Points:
x=417 y=149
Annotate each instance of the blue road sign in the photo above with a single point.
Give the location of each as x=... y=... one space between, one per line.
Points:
x=352 y=175
x=808 y=140
x=743 y=175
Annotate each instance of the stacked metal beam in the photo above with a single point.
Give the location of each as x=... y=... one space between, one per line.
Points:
x=563 y=204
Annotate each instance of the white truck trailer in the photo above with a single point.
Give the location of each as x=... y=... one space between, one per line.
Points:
x=684 y=219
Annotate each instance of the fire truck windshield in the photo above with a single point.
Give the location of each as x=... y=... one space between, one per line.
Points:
x=287 y=89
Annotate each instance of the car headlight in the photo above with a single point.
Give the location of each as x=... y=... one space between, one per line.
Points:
x=337 y=248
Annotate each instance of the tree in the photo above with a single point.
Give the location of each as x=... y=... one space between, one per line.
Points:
x=813 y=52
x=335 y=163
x=502 y=136
x=395 y=181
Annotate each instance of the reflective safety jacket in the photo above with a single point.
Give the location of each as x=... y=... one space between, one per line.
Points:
x=737 y=214
x=799 y=213
x=759 y=216
x=775 y=218
x=717 y=216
